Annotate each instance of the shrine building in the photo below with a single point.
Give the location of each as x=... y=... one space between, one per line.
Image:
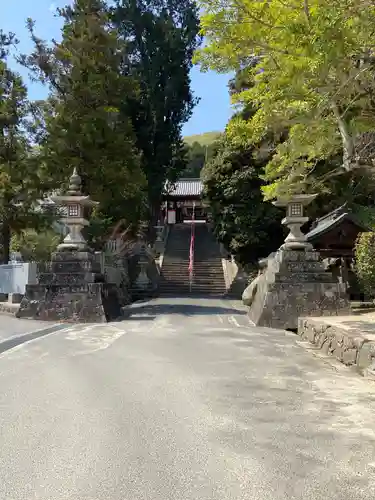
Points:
x=183 y=199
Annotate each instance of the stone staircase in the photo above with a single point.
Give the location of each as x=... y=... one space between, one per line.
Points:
x=208 y=279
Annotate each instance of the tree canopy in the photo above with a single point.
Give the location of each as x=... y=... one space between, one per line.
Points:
x=312 y=67
x=83 y=124
x=119 y=95
x=197 y=156
x=235 y=177
x=159 y=39
x=243 y=222
x=20 y=181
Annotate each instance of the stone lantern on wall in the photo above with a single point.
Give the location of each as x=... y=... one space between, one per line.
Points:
x=293 y=282
x=74 y=207
x=72 y=288
x=295 y=219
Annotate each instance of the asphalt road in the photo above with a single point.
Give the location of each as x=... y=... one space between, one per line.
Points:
x=11 y=327
x=183 y=401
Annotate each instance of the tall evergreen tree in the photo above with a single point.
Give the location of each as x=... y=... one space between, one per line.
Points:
x=83 y=125
x=161 y=37
x=20 y=184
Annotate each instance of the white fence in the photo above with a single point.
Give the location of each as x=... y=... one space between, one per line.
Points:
x=14 y=277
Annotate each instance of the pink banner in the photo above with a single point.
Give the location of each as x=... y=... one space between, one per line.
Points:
x=191 y=255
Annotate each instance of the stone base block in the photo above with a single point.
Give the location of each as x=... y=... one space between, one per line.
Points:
x=344 y=340
x=87 y=303
x=294 y=284
x=280 y=306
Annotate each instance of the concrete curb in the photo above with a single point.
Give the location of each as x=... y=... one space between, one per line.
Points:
x=348 y=344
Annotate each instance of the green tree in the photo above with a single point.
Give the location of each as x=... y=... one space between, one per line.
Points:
x=20 y=183
x=197 y=156
x=355 y=187
x=34 y=245
x=160 y=37
x=313 y=76
x=247 y=226
x=82 y=123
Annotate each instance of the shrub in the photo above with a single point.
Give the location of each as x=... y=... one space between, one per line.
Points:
x=365 y=261
x=35 y=246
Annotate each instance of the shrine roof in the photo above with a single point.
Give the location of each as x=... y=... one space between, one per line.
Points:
x=184 y=187
x=332 y=220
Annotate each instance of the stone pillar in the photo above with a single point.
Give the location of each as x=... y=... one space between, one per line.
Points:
x=71 y=286
x=294 y=282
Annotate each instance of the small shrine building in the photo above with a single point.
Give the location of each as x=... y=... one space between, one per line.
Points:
x=334 y=236
x=182 y=200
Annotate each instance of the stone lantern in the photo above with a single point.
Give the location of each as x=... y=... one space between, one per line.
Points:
x=293 y=282
x=143 y=281
x=295 y=219
x=72 y=287
x=74 y=204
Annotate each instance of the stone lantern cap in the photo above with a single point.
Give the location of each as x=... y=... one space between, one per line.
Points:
x=295 y=203
x=294 y=219
x=74 y=194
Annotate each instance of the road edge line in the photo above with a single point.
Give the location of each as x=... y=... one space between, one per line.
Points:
x=23 y=338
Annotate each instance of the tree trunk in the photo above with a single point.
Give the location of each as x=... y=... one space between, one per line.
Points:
x=347 y=139
x=154 y=218
x=5 y=236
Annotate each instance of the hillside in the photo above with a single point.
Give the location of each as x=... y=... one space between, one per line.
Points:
x=203 y=139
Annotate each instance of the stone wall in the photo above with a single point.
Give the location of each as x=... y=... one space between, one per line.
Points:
x=347 y=340
x=236 y=279
x=115 y=271
x=230 y=269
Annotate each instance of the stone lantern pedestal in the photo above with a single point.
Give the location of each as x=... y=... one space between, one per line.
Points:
x=293 y=281
x=71 y=287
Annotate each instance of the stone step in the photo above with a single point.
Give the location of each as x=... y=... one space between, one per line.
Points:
x=67 y=278
x=178 y=262
x=200 y=279
x=195 y=286
x=203 y=289
x=184 y=272
x=187 y=292
x=180 y=270
x=208 y=277
x=179 y=276
x=209 y=284
x=176 y=268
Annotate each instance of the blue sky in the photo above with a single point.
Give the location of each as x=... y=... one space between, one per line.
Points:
x=212 y=112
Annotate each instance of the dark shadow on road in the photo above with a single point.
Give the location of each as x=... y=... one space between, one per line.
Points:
x=183 y=309
x=134 y=317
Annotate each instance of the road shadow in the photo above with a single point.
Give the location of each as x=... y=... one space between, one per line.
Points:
x=131 y=315
x=181 y=309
